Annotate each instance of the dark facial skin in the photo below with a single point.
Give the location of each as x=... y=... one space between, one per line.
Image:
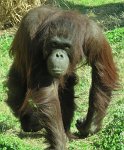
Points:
x=58 y=63
x=58 y=60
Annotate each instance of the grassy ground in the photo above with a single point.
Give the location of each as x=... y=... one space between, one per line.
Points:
x=112 y=135
x=109 y=13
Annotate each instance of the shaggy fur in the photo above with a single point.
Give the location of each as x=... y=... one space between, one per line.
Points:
x=40 y=100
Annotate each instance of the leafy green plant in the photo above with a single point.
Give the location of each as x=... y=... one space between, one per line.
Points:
x=7 y=122
x=116 y=35
x=112 y=137
x=13 y=143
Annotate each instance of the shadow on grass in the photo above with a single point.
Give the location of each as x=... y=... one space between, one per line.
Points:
x=110 y=16
x=32 y=135
x=4 y=127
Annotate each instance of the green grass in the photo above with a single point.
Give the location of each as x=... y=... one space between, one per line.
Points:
x=94 y=3
x=111 y=137
x=109 y=13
